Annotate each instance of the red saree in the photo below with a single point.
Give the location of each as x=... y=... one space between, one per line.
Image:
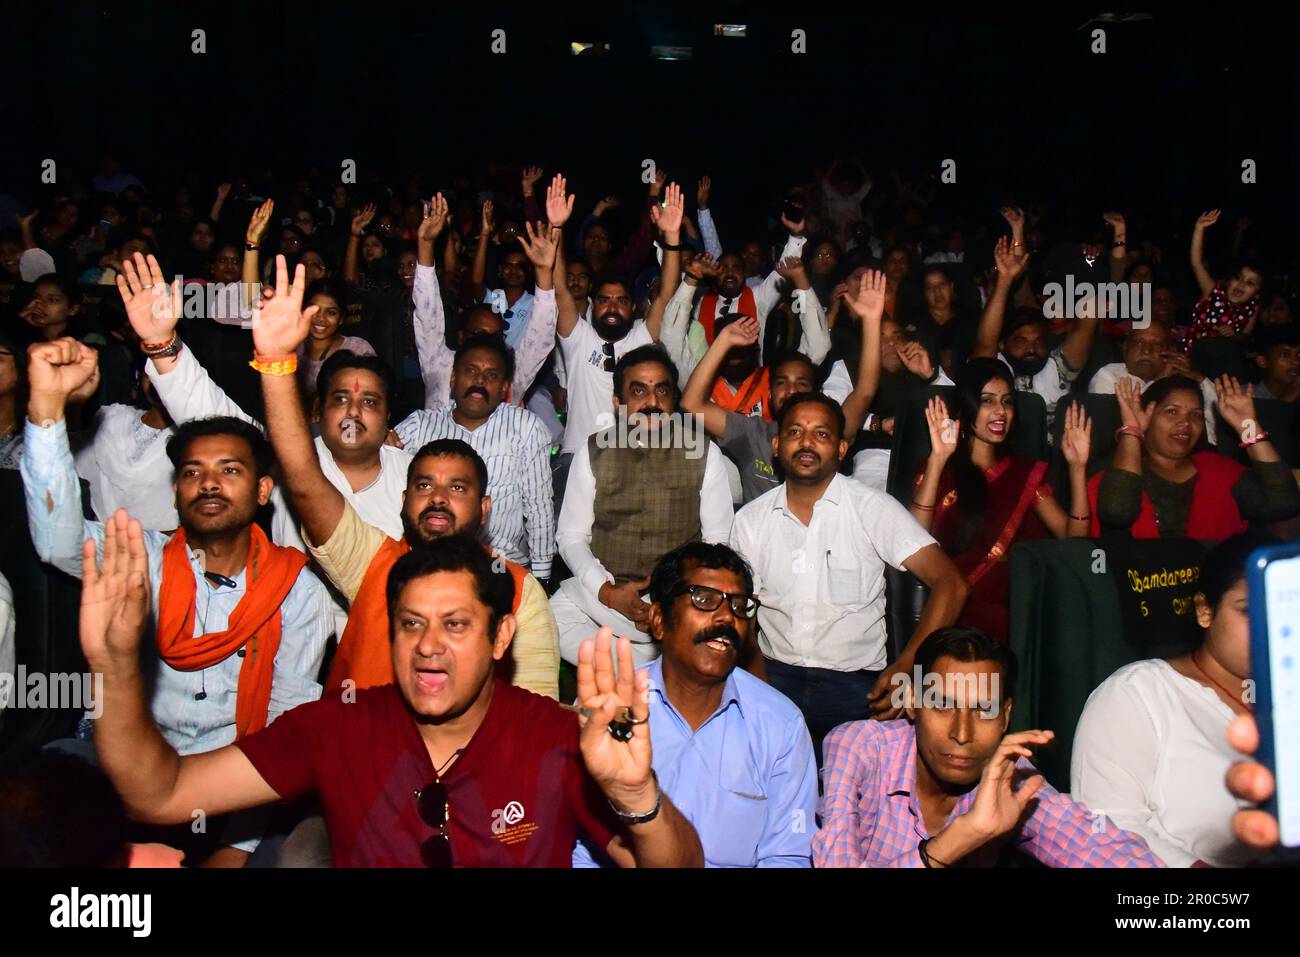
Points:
x=1015 y=484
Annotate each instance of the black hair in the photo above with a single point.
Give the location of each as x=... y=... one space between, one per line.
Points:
x=336 y=289
x=1283 y=334
x=652 y=352
x=814 y=398
x=347 y=359
x=453 y=447
x=66 y=284
x=670 y=571
x=968 y=478
x=1161 y=389
x=792 y=355
x=455 y=553
x=612 y=277
x=187 y=432
x=966 y=645
x=1020 y=317
x=125 y=234
x=1225 y=564
x=58 y=810
x=483 y=340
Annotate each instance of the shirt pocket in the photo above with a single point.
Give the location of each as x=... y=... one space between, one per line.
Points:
x=844 y=581
x=739 y=822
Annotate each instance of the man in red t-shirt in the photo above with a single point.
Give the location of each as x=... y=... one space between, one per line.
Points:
x=449 y=766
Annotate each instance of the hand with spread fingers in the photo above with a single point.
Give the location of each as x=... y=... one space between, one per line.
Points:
x=943 y=430
x=916 y=359
x=999 y=803
x=257 y=224
x=280 y=325
x=539 y=246
x=620 y=765
x=558 y=207
x=435 y=219
x=152 y=307
x=115 y=594
x=1076 y=440
x=362 y=219
x=867 y=297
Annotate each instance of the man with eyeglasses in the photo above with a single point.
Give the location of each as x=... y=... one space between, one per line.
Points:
x=734 y=752
x=640 y=487
x=592 y=347
x=446 y=766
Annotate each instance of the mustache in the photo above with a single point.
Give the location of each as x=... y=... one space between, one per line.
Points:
x=813 y=452
x=211 y=497
x=719 y=633
x=475 y=389
x=436 y=510
x=611 y=316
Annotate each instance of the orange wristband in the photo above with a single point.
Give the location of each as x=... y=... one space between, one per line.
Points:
x=275 y=365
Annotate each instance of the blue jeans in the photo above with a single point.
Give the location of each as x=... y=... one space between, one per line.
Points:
x=826 y=698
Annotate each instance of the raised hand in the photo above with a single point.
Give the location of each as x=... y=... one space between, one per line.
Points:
x=223 y=190
x=56 y=371
x=792 y=268
x=1116 y=221
x=998 y=805
x=702 y=192
x=488 y=224
x=867 y=297
x=362 y=218
x=539 y=245
x=1014 y=216
x=152 y=307
x=742 y=332
x=622 y=769
x=916 y=359
x=1010 y=266
x=529 y=179
x=706 y=266
x=435 y=219
x=280 y=325
x=943 y=430
x=259 y=221
x=1208 y=218
x=1131 y=412
x=668 y=217
x=1076 y=440
x=1236 y=404
x=609 y=202
x=657 y=184
x=558 y=207
x=115 y=596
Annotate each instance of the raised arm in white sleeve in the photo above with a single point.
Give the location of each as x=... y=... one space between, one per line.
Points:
x=430 y=326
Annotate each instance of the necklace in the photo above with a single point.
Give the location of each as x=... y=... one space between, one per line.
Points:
x=1210 y=679
x=454 y=755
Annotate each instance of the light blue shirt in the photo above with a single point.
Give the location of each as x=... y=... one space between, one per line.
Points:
x=519 y=314
x=190 y=726
x=746 y=780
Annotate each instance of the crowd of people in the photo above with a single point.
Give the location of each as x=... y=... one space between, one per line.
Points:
x=432 y=528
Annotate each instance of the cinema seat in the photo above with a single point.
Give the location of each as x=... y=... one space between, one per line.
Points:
x=1069 y=635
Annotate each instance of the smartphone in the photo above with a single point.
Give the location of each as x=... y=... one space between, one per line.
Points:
x=792 y=211
x=1273 y=587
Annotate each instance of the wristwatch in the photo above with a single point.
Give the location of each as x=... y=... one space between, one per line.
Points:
x=649 y=815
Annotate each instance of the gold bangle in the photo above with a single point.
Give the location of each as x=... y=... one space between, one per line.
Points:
x=157 y=348
x=924 y=508
x=275 y=365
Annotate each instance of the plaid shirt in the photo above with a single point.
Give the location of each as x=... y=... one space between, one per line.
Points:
x=871 y=816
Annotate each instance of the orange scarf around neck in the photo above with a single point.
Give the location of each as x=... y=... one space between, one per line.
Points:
x=253 y=625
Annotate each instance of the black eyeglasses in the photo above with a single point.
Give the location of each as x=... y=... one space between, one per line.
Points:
x=710 y=599
x=608 y=349
x=431 y=802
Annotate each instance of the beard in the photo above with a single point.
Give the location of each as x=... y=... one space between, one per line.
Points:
x=611 y=326
x=416 y=533
x=1030 y=365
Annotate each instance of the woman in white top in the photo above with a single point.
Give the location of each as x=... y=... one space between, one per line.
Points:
x=325 y=338
x=1151 y=749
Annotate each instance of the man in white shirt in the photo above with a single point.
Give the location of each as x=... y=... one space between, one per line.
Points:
x=532 y=346
x=592 y=347
x=1022 y=341
x=638 y=489
x=818 y=545
x=1150 y=354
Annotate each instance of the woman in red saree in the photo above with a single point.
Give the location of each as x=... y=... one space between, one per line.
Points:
x=977 y=498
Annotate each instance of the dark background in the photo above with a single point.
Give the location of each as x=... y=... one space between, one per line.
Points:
x=1156 y=126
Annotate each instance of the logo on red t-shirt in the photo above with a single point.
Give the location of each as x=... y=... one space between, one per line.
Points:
x=507 y=827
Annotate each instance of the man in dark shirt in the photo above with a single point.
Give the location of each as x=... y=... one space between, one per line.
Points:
x=448 y=766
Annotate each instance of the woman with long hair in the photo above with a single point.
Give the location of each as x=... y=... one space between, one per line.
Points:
x=977 y=497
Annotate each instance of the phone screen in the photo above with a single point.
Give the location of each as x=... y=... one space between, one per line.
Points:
x=1275 y=657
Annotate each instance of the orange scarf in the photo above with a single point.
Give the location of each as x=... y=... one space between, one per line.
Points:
x=253 y=625
x=757 y=386
x=365 y=652
x=745 y=303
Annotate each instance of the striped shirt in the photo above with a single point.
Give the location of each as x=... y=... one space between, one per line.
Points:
x=516 y=447
x=871 y=815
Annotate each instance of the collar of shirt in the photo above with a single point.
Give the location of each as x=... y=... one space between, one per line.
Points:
x=833 y=494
